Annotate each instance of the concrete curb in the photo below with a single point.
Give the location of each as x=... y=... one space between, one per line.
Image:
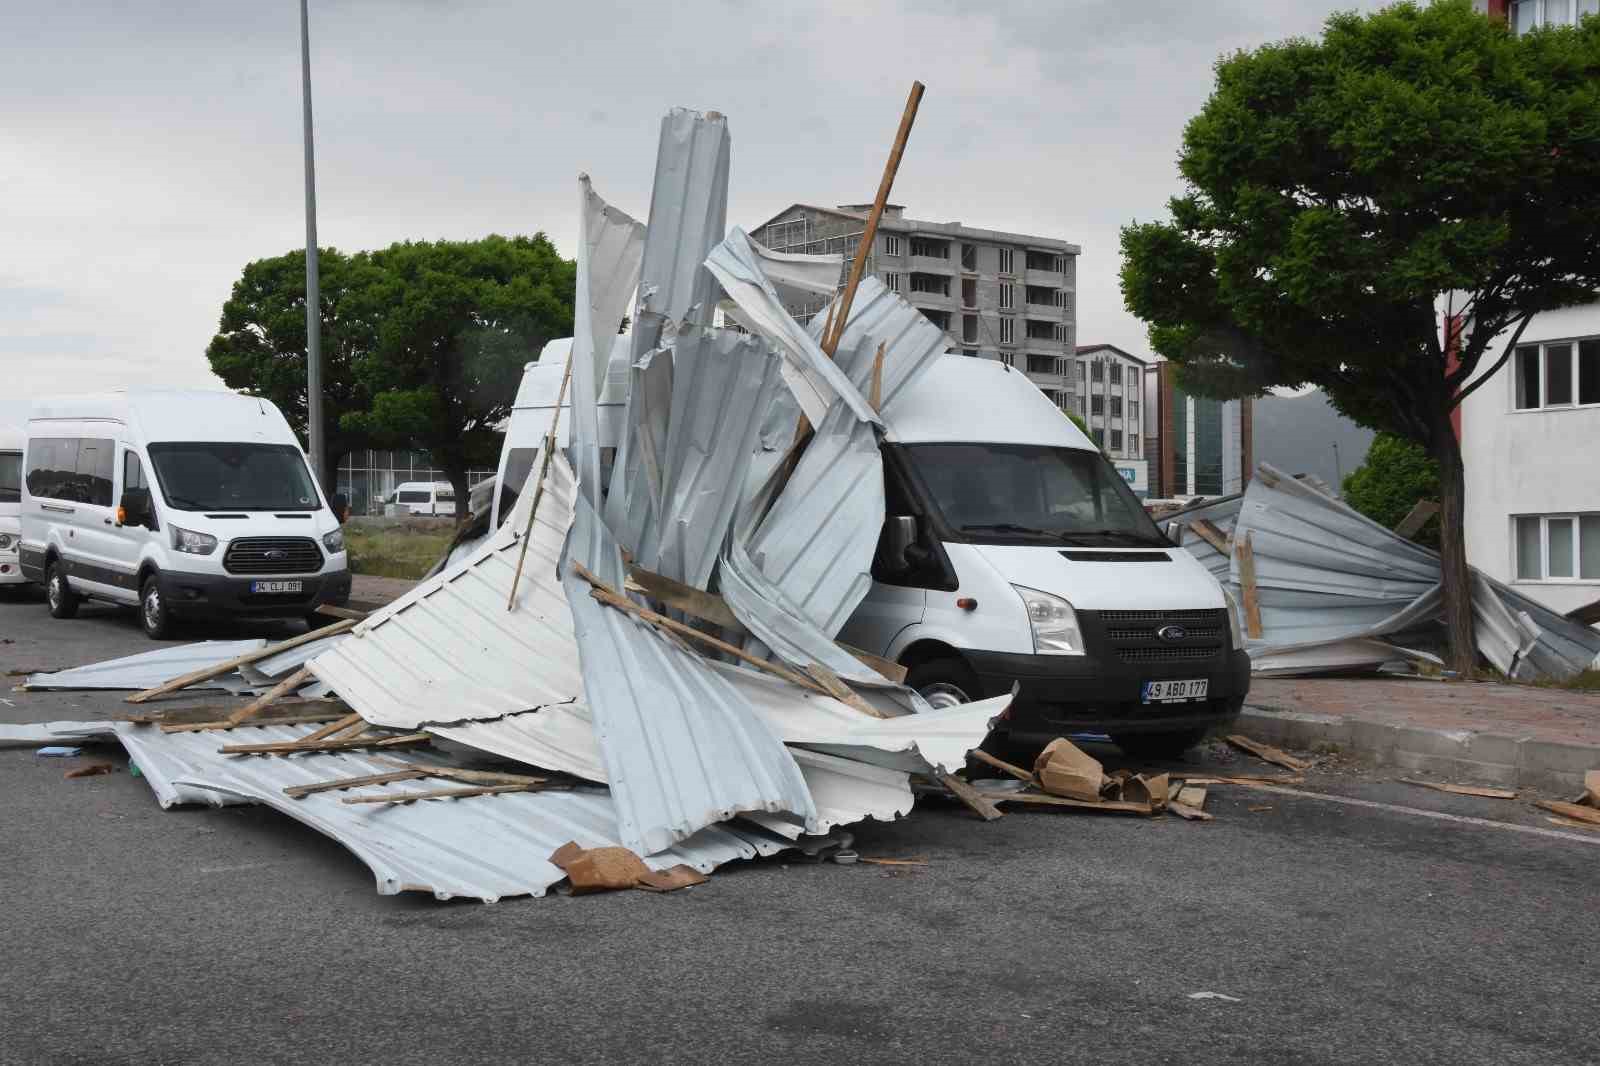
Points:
x=1489 y=758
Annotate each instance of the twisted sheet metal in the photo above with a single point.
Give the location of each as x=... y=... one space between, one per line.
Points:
x=633 y=499
x=265 y=672
x=448 y=651
x=148 y=669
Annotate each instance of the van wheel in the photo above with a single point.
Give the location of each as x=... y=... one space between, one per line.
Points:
x=1158 y=745
x=153 y=614
x=63 y=601
x=943 y=682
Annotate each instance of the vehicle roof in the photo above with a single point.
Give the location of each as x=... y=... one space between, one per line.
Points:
x=408 y=485
x=161 y=415
x=963 y=398
x=541 y=380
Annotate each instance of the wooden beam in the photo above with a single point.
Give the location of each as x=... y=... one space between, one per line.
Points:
x=1416 y=518
x=335 y=611
x=1244 y=553
x=538 y=492
x=974 y=799
x=209 y=672
x=841 y=691
x=890 y=669
x=1000 y=764
x=891 y=167
x=289 y=747
x=686 y=598
x=875 y=394
x=343 y=725
x=1570 y=810
x=301 y=791
x=1464 y=790
x=282 y=688
x=276 y=719
x=1213 y=536
x=1271 y=754
x=441 y=793
x=1044 y=799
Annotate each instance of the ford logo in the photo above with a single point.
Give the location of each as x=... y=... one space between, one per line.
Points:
x=276 y=555
x=1171 y=634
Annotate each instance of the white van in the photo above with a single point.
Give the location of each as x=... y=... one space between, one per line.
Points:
x=1012 y=554
x=420 y=498
x=180 y=502
x=13 y=435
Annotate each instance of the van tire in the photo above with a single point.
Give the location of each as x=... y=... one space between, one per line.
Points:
x=943 y=682
x=154 y=617
x=1158 y=745
x=63 y=601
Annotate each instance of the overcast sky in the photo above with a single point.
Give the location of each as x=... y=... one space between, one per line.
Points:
x=149 y=150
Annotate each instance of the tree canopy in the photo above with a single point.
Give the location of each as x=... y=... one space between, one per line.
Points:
x=1343 y=192
x=1396 y=475
x=423 y=342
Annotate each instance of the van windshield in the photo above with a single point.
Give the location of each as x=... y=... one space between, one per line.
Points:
x=202 y=476
x=1029 y=494
x=10 y=477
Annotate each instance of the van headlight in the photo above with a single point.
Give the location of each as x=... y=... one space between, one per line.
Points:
x=191 y=543
x=1233 y=621
x=334 y=541
x=1053 y=621
x=6 y=542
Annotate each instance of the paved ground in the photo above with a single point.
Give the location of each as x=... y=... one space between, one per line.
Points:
x=1382 y=923
x=1545 y=713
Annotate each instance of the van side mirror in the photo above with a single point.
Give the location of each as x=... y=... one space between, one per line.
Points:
x=134 y=508
x=900 y=536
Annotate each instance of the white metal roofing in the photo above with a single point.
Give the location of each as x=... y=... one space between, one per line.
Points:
x=147 y=669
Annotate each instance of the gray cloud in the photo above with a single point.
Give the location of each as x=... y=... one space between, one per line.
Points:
x=148 y=151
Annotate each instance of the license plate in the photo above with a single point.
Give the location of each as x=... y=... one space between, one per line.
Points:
x=1175 y=691
x=277 y=586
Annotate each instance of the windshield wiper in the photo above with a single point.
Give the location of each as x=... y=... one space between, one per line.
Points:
x=1009 y=527
x=1127 y=534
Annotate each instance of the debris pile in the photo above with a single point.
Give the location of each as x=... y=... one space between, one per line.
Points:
x=1322 y=588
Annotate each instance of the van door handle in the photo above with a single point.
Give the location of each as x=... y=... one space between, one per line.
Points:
x=57 y=509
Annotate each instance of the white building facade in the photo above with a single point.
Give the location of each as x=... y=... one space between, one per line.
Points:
x=1109 y=395
x=1530 y=439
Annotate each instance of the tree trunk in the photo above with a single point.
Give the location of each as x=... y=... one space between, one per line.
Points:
x=1463 y=650
x=458 y=482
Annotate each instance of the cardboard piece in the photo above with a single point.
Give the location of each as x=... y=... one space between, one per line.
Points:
x=679 y=876
x=599 y=869
x=1193 y=796
x=1142 y=789
x=1591 y=789
x=1064 y=770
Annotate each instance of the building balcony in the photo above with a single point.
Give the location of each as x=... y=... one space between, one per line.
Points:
x=931 y=265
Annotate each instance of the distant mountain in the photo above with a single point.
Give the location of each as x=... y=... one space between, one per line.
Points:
x=1296 y=434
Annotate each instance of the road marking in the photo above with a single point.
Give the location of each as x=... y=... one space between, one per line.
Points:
x=1351 y=801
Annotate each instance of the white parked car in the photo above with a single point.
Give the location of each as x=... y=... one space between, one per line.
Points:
x=180 y=502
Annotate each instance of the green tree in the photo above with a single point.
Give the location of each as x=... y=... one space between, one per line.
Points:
x=1396 y=475
x=1343 y=192
x=457 y=321
x=260 y=345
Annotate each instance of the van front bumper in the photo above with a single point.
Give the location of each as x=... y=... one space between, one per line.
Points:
x=1061 y=694
x=202 y=595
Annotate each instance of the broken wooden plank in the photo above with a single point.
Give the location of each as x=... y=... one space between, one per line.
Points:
x=335 y=611
x=440 y=793
x=1570 y=810
x=301 y=791
x=1591 y=789
x=686 y=598
x=1245 y=780
x=1192 y=796
x=282 y=688
x=1245 y=555
x=1192 y=814
x=875 y=394
x=1568 y=823
x=263 y=720
x=892 y=862
x=290 y=747
x=841 y=691
x=1044 y=799
x=1416 y=518
x=1208 y=532
x=216 y=712
x=974 y=799
x=890 y=669
x=1268 y=753
x=209 y=672
x=343 y=725
x=1463 y=790
x=1000 y=764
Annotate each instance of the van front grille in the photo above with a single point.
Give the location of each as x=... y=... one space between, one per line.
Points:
x=273 y=555
x=1165 y=636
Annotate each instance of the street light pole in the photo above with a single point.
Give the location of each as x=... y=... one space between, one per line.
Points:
x=313 y=282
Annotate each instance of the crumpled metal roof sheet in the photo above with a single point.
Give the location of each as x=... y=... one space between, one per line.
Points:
x=910 y=342
x=148 y=669
x=266 y=672
x=633 y=499
x=448 y=651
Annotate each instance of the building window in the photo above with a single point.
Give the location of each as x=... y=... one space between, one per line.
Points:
x=1133 y=443
x=1006 y=261
x=1557 y=374
x=938 y=318
x=1116 y=407
x=1008 y=296
x=1008 y=330
x=893 y=281
x=969 y=257
x=1099 y=436
x=1008 y=358
x=929 y=248
x=1041 y=364
x=1531 y=14
x=1116 y=440
x=969 y=292
x=891 y=245
x=1044 y=261
x=1059 y=297
x=1116 y=373
x=1097 y=404
x=1133 y=411
x=937 y=284
x=1097 y=371
x=969 y=329
x=1558 y=547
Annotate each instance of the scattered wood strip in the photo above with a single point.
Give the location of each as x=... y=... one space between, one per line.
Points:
x=1591 y=789
x=1188 y=813
x=977 y=801
x=335 y=611
x=276 y=719
x=1044 y=799
x=216 y=712
x=209 y=672
x=887 y=667
x=875 y=393
x=1570 y=810
x=282 y=688
x=1247 y=781
x=1570 y=824
x=290 y=747
x=841 y=691
x=1416 y=518
x=440 y=793
x=1463 y=790
x=686 y=598
x=343 y=725
x=301 y=791
x=1208 y=532
x=1000 y=764
x=1244 y=554
x=892 y=862
x=1192 y=795
x=1268 y=753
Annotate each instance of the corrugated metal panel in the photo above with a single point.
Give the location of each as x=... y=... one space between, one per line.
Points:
x=448 y=651
x=151 y=668
x=40 y=734
x=910 y=343
x=266 y=672
x=681 y=749
x=845 y=792
x=559 y=737
x=816 y=381
x=1559 y=647
x=633 y=499
x=1222 y=513
x=167 y=760
x=688 y=216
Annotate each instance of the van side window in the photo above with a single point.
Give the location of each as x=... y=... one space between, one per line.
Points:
x=133 y=473
x=932 y=569
x=97 y=459
x=71 y=469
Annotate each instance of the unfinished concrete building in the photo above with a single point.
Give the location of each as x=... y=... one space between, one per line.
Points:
x=1005 y=296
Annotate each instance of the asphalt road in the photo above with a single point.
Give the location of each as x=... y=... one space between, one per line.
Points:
x=1342 y=933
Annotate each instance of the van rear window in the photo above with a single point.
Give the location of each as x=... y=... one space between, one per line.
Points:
x=229 y=476
x=413 y=496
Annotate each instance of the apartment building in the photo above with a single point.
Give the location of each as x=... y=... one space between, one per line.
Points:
x=1108 y=390
x=1005 y=296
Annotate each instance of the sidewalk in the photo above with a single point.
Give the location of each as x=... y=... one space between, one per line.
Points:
x=1473 y=731
x=372 y=592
